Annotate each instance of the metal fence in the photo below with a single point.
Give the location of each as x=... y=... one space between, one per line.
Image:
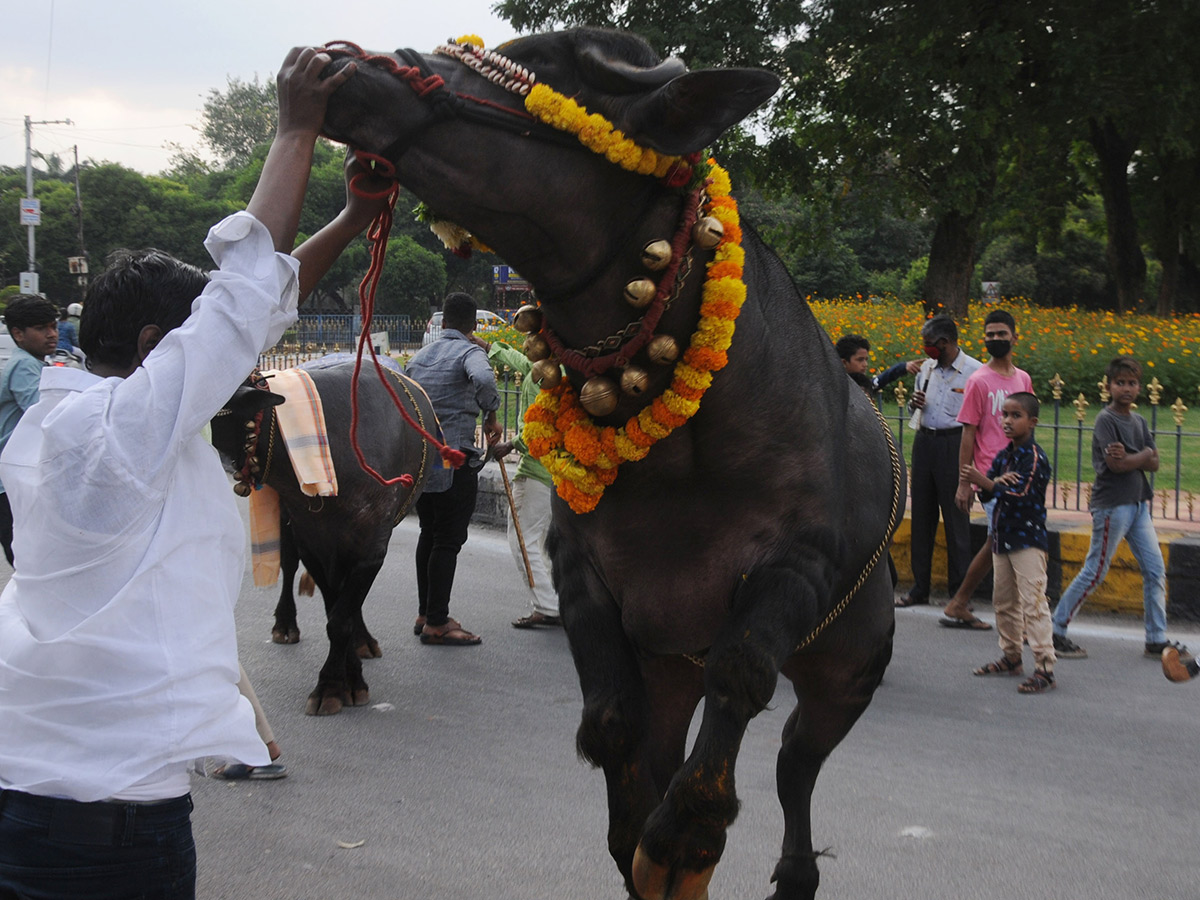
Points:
x=318 y=335
x=1072 y=490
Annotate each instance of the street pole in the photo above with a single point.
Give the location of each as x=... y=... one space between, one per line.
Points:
x=29 y=174
x=83 y=275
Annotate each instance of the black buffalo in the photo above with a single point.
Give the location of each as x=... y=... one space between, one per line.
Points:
x=341 y=540
x=744 y=544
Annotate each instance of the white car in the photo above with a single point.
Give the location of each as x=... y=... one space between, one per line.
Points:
x=7 y=345
x=485 y=320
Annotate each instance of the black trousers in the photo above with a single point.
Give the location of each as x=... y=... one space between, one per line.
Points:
x=444 y=518
x=934 y=480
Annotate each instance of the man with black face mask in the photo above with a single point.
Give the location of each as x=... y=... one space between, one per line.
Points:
x=983 y=437
x=938 y=395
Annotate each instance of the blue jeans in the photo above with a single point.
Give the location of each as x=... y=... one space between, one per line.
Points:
x=52 y=849
x=1133 y=523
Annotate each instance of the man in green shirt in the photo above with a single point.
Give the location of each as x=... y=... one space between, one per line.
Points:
x=532 y=489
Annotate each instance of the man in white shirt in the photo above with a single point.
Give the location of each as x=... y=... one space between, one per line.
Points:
x=938 y=394
x=118 y=654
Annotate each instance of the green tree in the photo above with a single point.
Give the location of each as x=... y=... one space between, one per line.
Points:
x=239 y=119
x=412 y=277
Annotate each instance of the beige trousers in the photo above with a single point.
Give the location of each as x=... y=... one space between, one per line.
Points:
x=260 y=717
x=1022 y=611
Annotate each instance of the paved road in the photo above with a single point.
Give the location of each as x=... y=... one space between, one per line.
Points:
x=461 y=780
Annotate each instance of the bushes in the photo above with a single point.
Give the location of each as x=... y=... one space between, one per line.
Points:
x=1076 y=344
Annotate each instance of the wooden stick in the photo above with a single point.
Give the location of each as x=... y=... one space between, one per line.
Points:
x=512 y=507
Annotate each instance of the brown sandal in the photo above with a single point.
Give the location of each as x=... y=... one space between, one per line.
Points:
x=452 y=634
x=419 y=626
x=1002 y=666
x=1037 y=683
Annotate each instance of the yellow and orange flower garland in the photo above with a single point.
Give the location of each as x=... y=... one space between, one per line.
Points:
x=598 y=134
x=583 y=457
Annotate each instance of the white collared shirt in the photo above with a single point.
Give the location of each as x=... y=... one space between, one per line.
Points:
x=944 y=387
x=118 y=654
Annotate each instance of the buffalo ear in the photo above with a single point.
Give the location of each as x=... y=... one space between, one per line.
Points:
x=689 y=112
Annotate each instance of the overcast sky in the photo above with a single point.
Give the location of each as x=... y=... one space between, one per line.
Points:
x=132 y=75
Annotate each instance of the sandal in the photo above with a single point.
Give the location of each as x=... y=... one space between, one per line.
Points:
x=1037 y=683
x=1002 y=666
x=535 y=619
x=452 y=634
x=419 y=626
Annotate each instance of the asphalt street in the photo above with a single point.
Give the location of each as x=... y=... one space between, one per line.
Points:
x=460 y=779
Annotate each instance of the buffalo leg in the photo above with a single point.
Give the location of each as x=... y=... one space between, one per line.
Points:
x=637 y=752
x=685 y=835
x=341 y=682
x=286 y=629
x=832 y=689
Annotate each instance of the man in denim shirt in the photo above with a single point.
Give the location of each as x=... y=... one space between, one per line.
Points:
x=458 y=378
x=33 y=323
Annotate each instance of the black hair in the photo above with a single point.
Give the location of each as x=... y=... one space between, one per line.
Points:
x=138 y=288
x=939 y=327
x=849 y=344
x=458 y=312
x=1004 y=317
x=29 y=311
x=1029 y=403
x=1123 y=364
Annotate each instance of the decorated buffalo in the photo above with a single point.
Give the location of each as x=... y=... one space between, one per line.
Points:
x=342 y=540
x=724 y=491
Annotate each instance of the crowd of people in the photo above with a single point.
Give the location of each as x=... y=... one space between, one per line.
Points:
x=975 y=440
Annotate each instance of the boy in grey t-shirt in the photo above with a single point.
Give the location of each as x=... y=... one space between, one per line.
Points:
x=1123 y=451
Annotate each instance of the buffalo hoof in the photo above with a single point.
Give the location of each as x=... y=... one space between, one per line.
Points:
x=322 y=704
x=369 y=649
x=658 y=882
x=285 y=635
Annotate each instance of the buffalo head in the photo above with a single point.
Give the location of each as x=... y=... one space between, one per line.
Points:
x=469 y=149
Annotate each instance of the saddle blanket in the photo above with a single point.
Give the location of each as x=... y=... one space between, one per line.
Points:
x=302 y=429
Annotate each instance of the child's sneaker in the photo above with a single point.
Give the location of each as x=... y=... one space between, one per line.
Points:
x=1176 y=669
x=1154 y=649
x=1065 y=648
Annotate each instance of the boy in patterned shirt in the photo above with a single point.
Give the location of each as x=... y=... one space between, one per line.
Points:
x=1017 y=478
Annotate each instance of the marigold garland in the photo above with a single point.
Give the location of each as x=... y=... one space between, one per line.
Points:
x=583 y=457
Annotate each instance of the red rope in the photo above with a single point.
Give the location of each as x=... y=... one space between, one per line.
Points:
x=377 y=234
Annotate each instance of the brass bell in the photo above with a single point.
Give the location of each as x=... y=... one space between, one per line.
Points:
x=599 y=395
x=528 y=319
x=656 y=255
x=707 y=232
x=663 y=349
x=640 y=292
x=536 y=347
x=635 y=381
x=546 y=374
x=241 y=489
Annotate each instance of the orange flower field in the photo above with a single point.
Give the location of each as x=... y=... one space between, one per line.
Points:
x=1074 y=343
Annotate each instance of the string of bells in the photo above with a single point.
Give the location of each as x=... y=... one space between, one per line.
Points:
x=600 y=394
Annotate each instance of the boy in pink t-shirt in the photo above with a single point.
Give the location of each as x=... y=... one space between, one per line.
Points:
x=982 y=438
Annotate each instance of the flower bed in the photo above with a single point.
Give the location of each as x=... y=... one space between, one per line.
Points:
x=1074 y=343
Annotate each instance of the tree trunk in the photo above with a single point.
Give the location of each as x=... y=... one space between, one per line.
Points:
x=1126 y=263
x=1177 y=185
x=951 y=264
